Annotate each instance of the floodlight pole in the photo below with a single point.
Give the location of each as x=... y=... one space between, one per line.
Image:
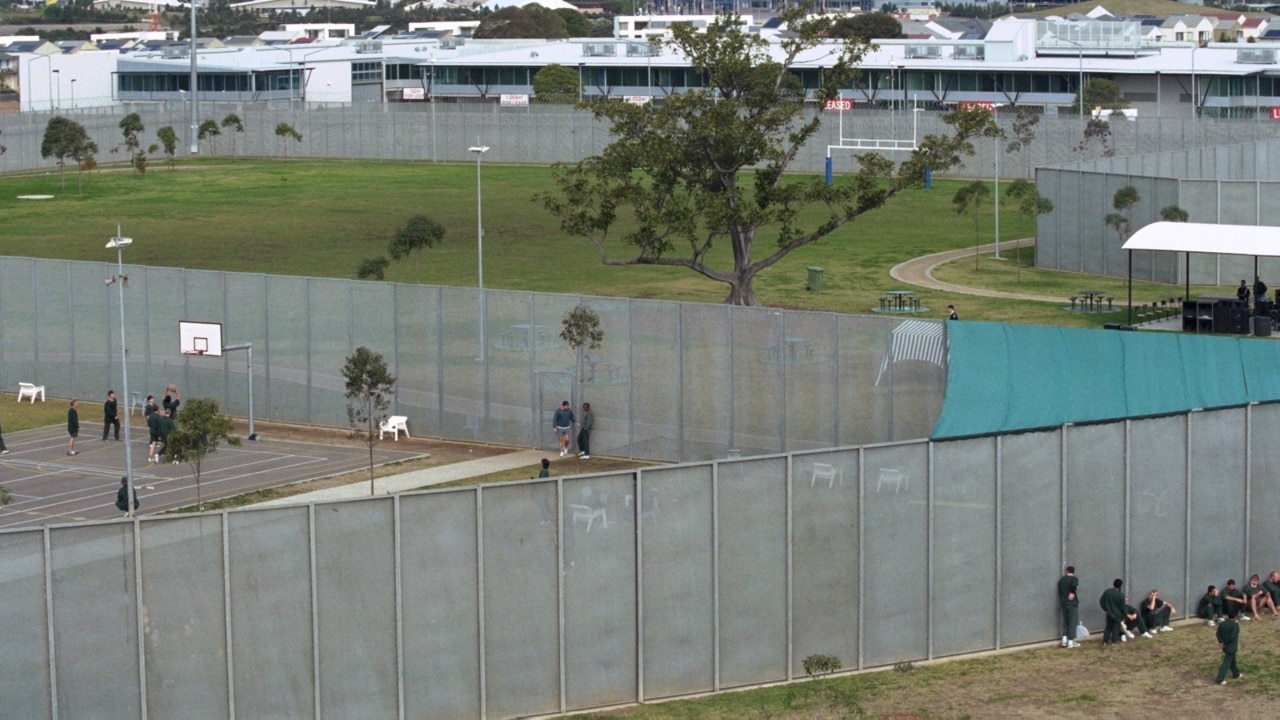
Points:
x=119 y=243
x=246 y=346
x=195 y=102
x=479 y=151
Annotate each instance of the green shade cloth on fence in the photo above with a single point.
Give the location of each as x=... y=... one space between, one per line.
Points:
x=1007 y=378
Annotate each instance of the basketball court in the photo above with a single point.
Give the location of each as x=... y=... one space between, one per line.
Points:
x=50 y=487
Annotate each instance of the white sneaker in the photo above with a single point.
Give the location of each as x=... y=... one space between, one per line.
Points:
x=1166 y=628
x=1244 y=617
x=1211 y=623
x=1128 y=634
x=1148 y=635
x=1064 y=641
x=1124 y=638
x=585 y=457
x=1072 y=644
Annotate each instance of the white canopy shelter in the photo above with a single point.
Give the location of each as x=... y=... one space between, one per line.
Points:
x=1255 y=240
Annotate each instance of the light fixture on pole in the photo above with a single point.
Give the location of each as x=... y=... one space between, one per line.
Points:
x=73 y=93
x=119 y=243
x=480 y=150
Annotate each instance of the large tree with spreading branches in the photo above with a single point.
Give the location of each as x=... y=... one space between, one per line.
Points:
x=708 y=166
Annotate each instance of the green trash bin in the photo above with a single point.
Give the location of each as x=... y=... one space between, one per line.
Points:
x=815 y=279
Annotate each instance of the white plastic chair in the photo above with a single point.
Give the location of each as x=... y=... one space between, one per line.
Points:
x=25 y=389
x=395 y=425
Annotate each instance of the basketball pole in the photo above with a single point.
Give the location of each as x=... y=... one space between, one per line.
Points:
x=246 y=346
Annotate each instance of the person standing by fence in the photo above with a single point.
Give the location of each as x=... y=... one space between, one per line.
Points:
x=584 y=432
x=1069 y=603
x=1112 y=602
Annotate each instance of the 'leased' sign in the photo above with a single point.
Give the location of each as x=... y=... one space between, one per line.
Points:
x=838 y=104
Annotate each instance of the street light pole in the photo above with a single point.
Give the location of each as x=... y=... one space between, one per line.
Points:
x=58 y=106
x=479 y=151
x=73 y=93
x=118 y=243
x=195 y=89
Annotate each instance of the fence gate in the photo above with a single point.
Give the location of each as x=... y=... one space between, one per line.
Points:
x=553 y=389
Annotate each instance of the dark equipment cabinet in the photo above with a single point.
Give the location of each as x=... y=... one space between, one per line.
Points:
x=1215 y=314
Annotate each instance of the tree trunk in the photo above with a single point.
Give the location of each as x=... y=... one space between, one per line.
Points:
x=742 y=293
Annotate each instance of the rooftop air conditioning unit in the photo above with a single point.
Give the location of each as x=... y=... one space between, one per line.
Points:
x=923 y=51
x=600 y=49
x=1256 y=56
x=970 y=52
x=641 y=49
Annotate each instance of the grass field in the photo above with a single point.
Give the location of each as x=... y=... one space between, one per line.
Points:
x=323 y=218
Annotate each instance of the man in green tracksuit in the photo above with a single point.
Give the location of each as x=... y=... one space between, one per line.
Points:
x=584 y=432
x=1229 y=642
x=1069 y=603
x=1112 y=602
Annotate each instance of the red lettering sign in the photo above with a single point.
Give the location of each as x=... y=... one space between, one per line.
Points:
x=1275 y=113
x=838 y=104
x=974 y=104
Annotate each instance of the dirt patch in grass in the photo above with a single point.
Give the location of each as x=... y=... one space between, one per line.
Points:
x=1169 y=676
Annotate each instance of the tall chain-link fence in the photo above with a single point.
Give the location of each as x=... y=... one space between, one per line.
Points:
x=671 y=381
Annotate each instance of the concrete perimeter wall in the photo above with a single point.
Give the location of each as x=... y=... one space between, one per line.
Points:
x=571 y=593
x=544 y=134
x=1230 y=184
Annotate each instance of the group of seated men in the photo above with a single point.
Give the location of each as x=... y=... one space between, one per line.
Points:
x=1248 y=602
x=1149 y=618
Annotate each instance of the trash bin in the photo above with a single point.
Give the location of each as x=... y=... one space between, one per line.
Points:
x=815 y=279
x=1262 y=326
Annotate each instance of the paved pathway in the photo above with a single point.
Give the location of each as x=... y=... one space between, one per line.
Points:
x=919 y=271
x=417 y=478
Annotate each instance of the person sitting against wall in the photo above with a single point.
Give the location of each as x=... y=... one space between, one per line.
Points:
x=1210 y=606
x=1156 y=613
x=1133 y=619
x=1257 y=597
x=1272 y=586
x=1233 y=597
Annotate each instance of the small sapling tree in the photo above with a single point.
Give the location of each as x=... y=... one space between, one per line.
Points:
x=201 y=428
x=369 y=386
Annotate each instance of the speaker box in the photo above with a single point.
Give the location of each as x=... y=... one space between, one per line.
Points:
x=1231 y=316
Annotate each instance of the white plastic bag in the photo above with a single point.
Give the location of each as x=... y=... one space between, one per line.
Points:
x=1082 y=632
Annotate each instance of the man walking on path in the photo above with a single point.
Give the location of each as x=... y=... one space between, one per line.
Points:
x=1069 y=603
x=563 y=422
x=110 y=415
x=1112 y=602
x=73 y=427
x=1229 y=641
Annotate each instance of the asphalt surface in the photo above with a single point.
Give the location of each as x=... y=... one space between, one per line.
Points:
x=49 y=487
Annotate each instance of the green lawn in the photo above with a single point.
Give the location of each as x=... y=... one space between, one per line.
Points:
x=323 y=218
